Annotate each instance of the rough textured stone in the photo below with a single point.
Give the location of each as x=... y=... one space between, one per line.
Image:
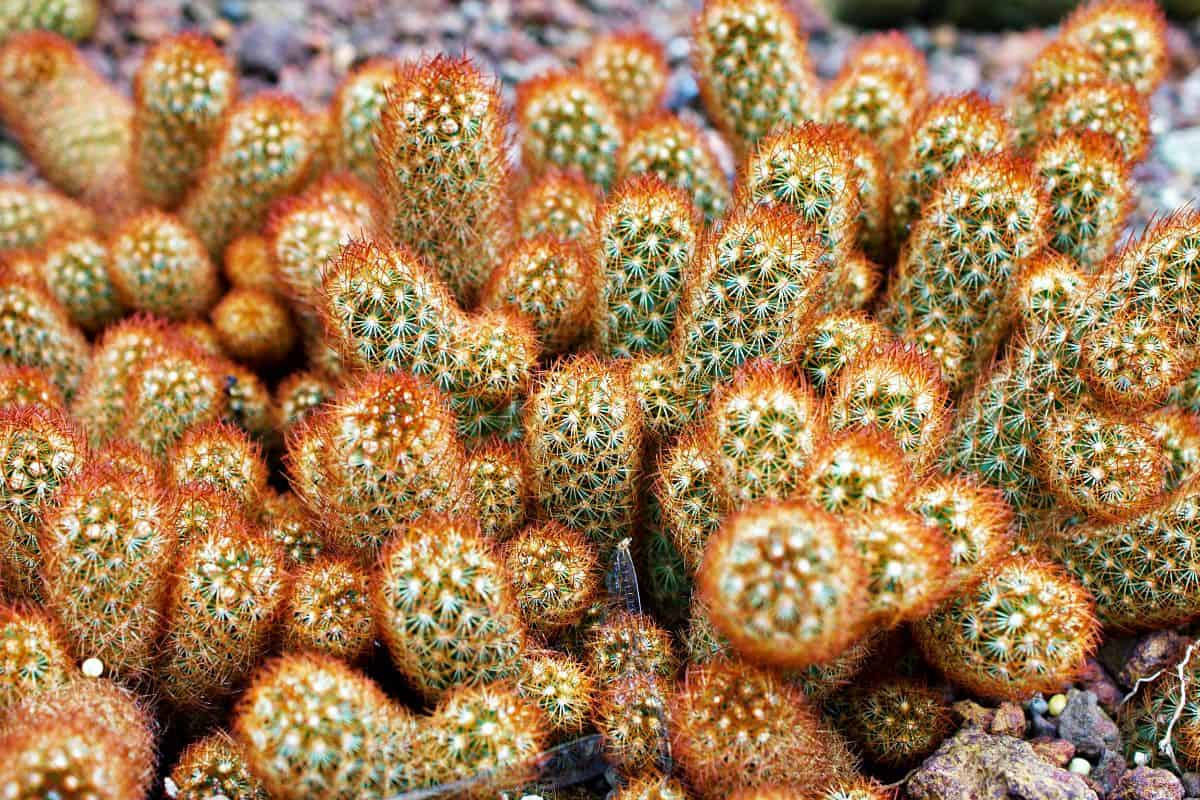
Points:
x=1153 y=652
x=1191 y=784
x=1009 y=720
x=1084 y=724
x=1058 y=752
x=1108 y=771
x=984 y=766
x=1144 y=783
x=972 y=714
x=1095 y=679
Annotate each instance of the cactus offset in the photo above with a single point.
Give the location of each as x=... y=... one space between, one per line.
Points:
x=159 y=266
x=631 y=68
x=567 y=121
x=676 y=152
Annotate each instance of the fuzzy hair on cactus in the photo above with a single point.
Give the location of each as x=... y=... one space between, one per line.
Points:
x=647 y=233
x=856 y=471
x=170 y=392
x=312 y=727
x=499 y=479
x=631 y=68
x=784 y=582
x=301 y=393
x=30 y=216
x=561 y=686
x=226 y=596
x=1061 y=65
x=383 y=453
x=182 y=91
x=686 y=490
x=651 y=786
x=1128 y=36
x=550 y=282
x=262 y=152
x=254 y=326
x=107 y=553
x=943 y=134
x=1179 y=431
x=560 y=204
x=1115 y=110
x=975 y=234
x=736 y=726
x=833 y=342
x=222 y=457
x=357 y=109
x=879 y=88
x=555 y=575
x=443 y=169
x=1026 y=627
x=159 y=266
x=33 y=655
x=72 y=19
x=35 y=331
x=28 y=386
x=751 y=62
x=629 y=644
x=899 y=722
x=974 y=519
x=75 y=127
x=40 y=451
x=568 y=121
x=88 y=739
x=1087 y=183
x=444 y=607
x=585 y=412
x=215 y=765
x=487 y=736
x=632 y=717
x=75 y=270
x=677 y=153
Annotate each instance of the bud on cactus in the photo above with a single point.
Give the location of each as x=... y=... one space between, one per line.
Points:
x=35 y=331
x=1061 y=65
x=1087 y=182
x=675 y=151
x=159 y=266
x=785 y=584
x=75 y=270
x=222 y=457
x=647 y=234
x=1025 y=627
x=1128 y=36
x=33 y=655
x=584 y=412
x=254 y=326
x=735 y=726
x=169 y=393
x=444 y=172
x=262 y=153
x=554 y=573
x=629 y=644
x=751 y=61
x=182 y=92
x=1118 y=111
x=567 y=121
x=500 y=480
x=860 y=470
x=73 y=19
x=972 y=517
x=357 y=109
x=28 y=386
x=444 y=607
x=560 y=686
x=31 y=216
x=215 y=765
x=560 y=204
x=631 y=68
x=879 y=89
x=898 y=723
x=835 y=341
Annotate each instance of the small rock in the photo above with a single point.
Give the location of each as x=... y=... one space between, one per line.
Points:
x=1144 y=783
x=267 y=47
x=1009 y=720
x=1056 y=705
x=1109 y=770
x=1058 y=752
x=1095 y=679
x=982 y=766
x=1191 y=783
x=972 y=714
x=235 y=11
x=1045 y=727
x=1152 y=653
x=1087 y=726
x=1080 y=766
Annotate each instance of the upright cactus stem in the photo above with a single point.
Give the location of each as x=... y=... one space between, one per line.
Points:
x=1128 y=36
x=677 y=153
x=567 y=121
x=73 y=19
x=631 y=68
x=357 y=109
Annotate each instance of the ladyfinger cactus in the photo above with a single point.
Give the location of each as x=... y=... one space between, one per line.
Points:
x=686 y=490
x=301 y=393
x=385 y=452
x=560 y=686
x=632 y=716
x=74 y=19
x=107 y=551
x=736 y=726
x=285 y=520
x=33 y=655
x=898 y=723
x=100 y=403
x=443 y=169
x=974 y=519
x=1061 y=65
x=676 y=152
x=215 y=765
x=262 y=153
x=254 y=326
x=30 y=216
x=879 y=89
x=329 y=610
x=159 y=266
x=585 y=412
x=835 y=341
x=35 y=331
x=170 y=392
x=751 y=61
x=554 y=573
x=357 y=109
x=629 y=644
x=631 y=68
x=1026 y=627
x=28 y=386
x=444 y=607
x=651 y=786
x=40 y=451
x=247 y=263
x=647 y=233
x=567 y=121
x=222 y=457
x=75 y=270
x=979 y=229
x=907 y=563
x=856 y=471
x=499 y=478
x=559 y=203
x=784 y=582
x=1128 y=36
x=945 y=133
x=182 y=91
x=1115 y=110
x=1179 y=431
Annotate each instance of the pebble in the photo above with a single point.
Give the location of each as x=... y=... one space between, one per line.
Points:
x=92 y=667
x=1095 y=679
x=1009 y=720
x=1150 y=654
x=1080 y=766
x=1057 y=704
x=1144 y=783
x=1083 y=723
x=1058 y=752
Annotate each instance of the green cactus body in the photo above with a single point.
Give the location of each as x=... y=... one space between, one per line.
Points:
x=555 y=575
x=674 y=151
x=1087 y=183
x=500 y=480
x=1128 y=36
x=357 y=110
x=559 y=203
x=35 y=331
x=899 y=722
x=834 y=342
x=31 y=216
x=75 y=271
x=1118 y=111
x=1061 y=65
x=215 y=765
x=631 y=68
x=168 y=394
x=33 y=655
x=74 y=19
x=568 y=122
x=159 y=266
x=329 y=610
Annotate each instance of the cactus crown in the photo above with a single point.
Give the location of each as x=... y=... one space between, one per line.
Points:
x=674 y=151
x=559 y=203
x=569 y=122
x=1128 y=36
x=555 y=575
x=631 y=68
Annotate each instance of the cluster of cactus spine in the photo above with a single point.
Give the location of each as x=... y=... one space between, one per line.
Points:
x=559 y=203
x=631 y=68
x=33 y=656
x=357 y=110
x=898 y=723
x=499 y=478
x=879 y=89
x=215 y=765
x=555 y=575
x=74 y=19
x=567 y=121
x=35 y=331
x=160 y=267
x=676 y=152
x=31 y=216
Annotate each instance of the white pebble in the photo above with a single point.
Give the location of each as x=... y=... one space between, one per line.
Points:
x=1079 y=766
x=93 y=668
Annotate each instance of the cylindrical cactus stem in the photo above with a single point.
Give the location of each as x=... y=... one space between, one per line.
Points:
x=383 y=453
x=35 y=331
x=1179 y=431
x=247 y=263
x=629 y=644
x=75 y=269
x=286 y=520
x=263 y=152
x=898 y=723
x=1026 y=627
x=30 y=216
x=214 y=765
x=499 y=477
x=585 y=412
x=357 y=109
x=907 y=562
x=1128 y=36
x=182 y=92
x=687 y=491
x=631 y=715
x=646 y=234
x=40 y=451
x=1061 y=65
x=631 y=68
x=120 y=350
x=752 y=65
x=108 y=551
x=973 y=517
x=559 y=203
x=857 y=471
x=75 y=127
x=561 y=686
x=299 y=394
x=555 y=575
x=567 y=121
x=1116 y=110
x=833 y=343
x=879 y=89
x=28 y=386
x=222 y=457
x=677 y=153
x=33 y=655
x=169 y=393
x=254 y=326
x=329 y=610
x=73 y=19
x=478 y=638
x=159 y=266
x=443 y=169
